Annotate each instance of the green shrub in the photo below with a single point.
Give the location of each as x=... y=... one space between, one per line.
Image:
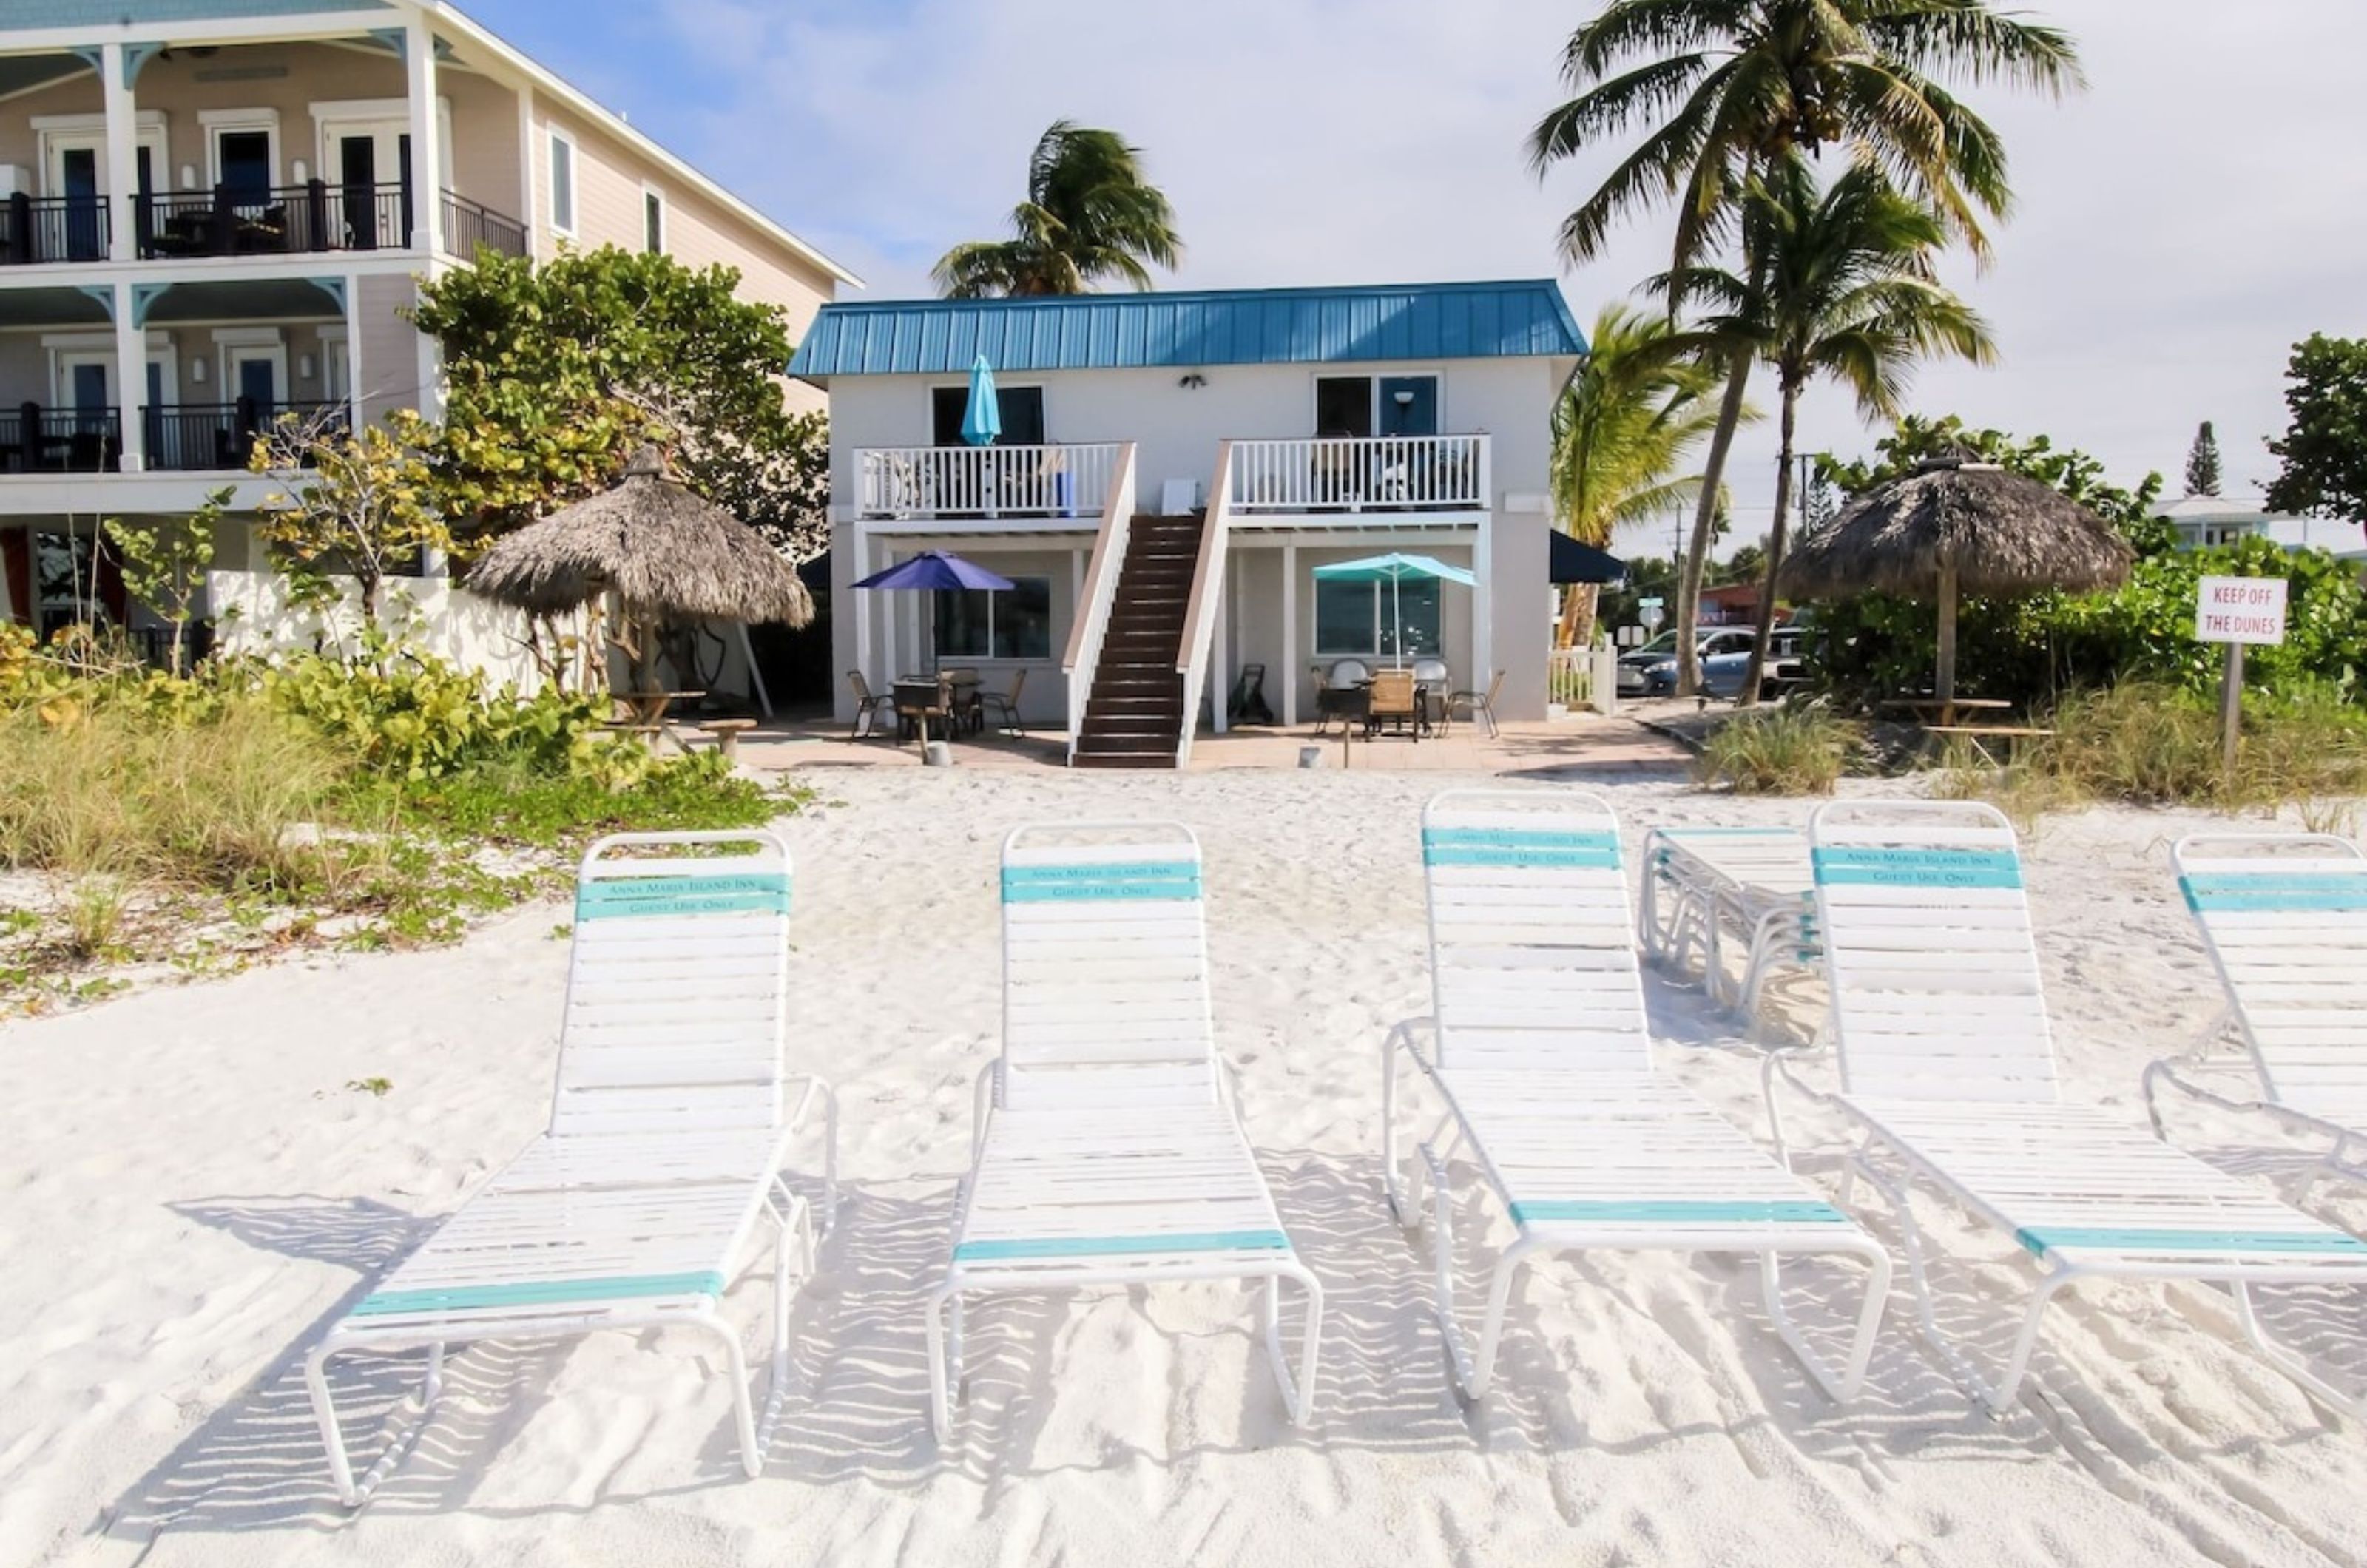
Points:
x=1781 y=751
x=210 y=801
x=2149 y=743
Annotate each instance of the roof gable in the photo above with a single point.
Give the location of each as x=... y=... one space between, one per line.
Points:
x=1246 y=326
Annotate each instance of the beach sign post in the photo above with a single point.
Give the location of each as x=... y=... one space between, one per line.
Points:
x=2239 y=611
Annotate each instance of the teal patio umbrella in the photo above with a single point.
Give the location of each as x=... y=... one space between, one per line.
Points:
x=982 y=419
x=1394 y=569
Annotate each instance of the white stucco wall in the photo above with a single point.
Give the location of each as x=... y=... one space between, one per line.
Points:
x=1176 y=430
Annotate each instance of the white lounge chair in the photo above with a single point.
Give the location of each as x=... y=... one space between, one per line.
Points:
x=670 y=1124
x=1542 y=1057
x=1948 y=1067
x=1106 y=1150
x=2284 y=918
x=1751 y=881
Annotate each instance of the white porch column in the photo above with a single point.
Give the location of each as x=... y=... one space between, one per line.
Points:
x=122 y=156
x=426 y=131
x=1289 y=636
x=1483 y=606
x=1220 y=680
x=859 y=542
x=130 y=379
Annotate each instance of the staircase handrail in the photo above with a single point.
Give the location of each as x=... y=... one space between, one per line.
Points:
x=1100 y=593
x=1194 y=652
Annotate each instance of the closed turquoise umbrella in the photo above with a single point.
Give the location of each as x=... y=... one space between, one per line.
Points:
x=1394 y=569
x=982 y=419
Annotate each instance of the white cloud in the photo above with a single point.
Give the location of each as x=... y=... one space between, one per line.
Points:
x=2180 y=225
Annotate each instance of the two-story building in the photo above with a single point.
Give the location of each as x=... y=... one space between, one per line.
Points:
x=1291 y=427
x=216 y=211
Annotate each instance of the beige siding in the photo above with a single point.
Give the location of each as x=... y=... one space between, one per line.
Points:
x=288 y=79
x=24 y=370
x=386 y=347
x=610 y=180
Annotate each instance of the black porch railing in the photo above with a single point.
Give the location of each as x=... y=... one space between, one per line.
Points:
x=184 y=438
x=35 y=440
x=468 y=224
x=53 y=229
x=314 y=216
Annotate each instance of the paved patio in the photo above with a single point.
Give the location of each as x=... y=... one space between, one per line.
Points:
x=1582 y=743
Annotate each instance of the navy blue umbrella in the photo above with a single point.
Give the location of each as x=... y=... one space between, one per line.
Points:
x=932 y=570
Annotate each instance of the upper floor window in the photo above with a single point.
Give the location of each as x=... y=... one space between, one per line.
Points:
x=562 y=183
x=1377 y=405
x=1020 y=408
x=653 y=221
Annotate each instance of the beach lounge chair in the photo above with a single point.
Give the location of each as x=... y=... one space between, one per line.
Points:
x=1703 y=885
x=1107 y=1149
x=2284 y=918
x=1541 y=1052
x=1947 y=1071
x=670 y=1124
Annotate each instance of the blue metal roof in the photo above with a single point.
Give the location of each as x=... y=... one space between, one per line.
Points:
x=1229 y=326
x=104 y=15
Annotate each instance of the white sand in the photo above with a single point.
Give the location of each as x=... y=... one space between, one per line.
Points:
x=189 y=1192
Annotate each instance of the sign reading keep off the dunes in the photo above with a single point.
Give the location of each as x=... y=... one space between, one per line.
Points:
x=2241 y=609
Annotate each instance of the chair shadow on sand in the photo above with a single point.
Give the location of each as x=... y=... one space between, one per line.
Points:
x=855 y=1405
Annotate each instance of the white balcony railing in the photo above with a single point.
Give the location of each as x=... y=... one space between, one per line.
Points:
x=1391 y=473
x=933 y=482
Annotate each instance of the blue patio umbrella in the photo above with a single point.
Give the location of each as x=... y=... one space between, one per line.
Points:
x=982 y=419
x=934 y=569
x=1394 y=569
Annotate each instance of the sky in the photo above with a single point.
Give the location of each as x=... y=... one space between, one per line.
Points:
x=2180 y=224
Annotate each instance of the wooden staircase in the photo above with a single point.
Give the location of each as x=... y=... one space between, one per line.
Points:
x=1134 y=715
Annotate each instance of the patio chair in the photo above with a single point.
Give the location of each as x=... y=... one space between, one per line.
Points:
x=1106 y=1148
x=1541 y=1052
x=1348 y=673
x=918 y=702
x=1003 y=708
x=1478 y=704
x=2280 y=916
x=1340 y=693
x=1392 y=702
x=869 y=706
x=670 y=1123
x=1947 y=1068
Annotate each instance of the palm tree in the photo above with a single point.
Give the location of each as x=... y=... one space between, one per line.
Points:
x=1842 y=286
x=1625 y=423
x=1727 y=88
x=1089 y=215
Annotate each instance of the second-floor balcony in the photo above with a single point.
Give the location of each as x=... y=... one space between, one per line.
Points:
x=194 y=437
x=317 y=216
x=1361 y=473
x=1050 y=481
x=35 y=440
x=179 y=437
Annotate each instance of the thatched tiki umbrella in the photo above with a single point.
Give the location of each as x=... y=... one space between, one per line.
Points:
x=1958 y=527
x=664 y=552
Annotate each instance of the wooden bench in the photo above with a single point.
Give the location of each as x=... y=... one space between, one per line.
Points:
x=2012 y=734
x=726 y=733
